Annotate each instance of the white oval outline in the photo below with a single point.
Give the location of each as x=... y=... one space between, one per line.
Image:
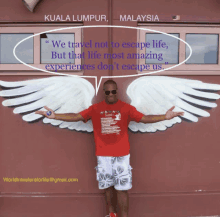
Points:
x=93 y=26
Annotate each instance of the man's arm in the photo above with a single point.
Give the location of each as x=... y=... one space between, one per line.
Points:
x=71 y=117
x=155 y=118
x=152 y=118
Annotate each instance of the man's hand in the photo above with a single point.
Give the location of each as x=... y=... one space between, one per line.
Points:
x=52 y=116
x=170 y=114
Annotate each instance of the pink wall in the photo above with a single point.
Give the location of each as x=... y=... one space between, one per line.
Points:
x=175 y=172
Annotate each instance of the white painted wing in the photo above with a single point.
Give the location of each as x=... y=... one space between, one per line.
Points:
x=63 y=94
x=154 y=95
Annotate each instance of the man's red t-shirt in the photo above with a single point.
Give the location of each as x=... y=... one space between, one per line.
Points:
x=110 y=126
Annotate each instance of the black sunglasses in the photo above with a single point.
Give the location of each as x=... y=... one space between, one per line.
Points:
x=107 y=92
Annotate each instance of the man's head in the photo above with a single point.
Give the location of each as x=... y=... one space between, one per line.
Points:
x=110 y=91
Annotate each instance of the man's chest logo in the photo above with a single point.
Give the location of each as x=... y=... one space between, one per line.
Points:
x=109 y=120
x=118 y=117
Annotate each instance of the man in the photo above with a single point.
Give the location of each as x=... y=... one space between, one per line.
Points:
x=110 y=120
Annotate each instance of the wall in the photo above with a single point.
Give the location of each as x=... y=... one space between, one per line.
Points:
x=175 y=172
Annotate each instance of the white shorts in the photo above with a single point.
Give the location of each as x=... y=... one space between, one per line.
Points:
x=114 y=171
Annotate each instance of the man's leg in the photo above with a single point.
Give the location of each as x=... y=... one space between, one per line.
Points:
x=109 y=199
x=122 y=198
x=122 y=182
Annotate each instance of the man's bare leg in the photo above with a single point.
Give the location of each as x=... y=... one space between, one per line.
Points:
x=122 y=198
x=109 y=198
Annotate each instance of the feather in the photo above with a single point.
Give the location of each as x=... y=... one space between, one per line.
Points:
x=154 y=95
x=63 y=94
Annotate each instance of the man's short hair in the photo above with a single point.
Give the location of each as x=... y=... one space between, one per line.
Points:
x=109 y=82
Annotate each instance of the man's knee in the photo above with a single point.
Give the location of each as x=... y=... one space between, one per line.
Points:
x=111 y=188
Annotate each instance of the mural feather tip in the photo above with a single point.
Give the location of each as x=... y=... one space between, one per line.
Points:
x=4 y=103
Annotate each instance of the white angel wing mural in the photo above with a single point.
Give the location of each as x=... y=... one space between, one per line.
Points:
x=62 y=94
x=154 y=95
x=150 y=95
